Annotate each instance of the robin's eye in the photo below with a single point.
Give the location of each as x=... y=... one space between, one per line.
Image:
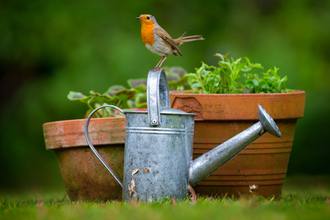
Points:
x=148 y=18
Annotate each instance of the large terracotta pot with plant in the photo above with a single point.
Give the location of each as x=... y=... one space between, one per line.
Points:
x=84 y=176
x=261 y=168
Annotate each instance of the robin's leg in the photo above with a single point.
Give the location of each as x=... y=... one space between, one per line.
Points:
x=161 y=61
x=157 y=67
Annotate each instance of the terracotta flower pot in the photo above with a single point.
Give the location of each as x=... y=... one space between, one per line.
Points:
x=221 y=116
x=84 y=176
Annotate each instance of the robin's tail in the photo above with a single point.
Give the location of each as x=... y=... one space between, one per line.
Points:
x=182 y=39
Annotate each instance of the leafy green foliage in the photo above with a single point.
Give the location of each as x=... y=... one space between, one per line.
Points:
x=134 y=97
x=270 y=82
x=207 y=79
x=224 y=79
x=177 y=78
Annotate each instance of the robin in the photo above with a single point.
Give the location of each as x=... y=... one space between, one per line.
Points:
x=158 y=41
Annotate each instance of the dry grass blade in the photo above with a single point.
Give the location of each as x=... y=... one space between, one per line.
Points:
x=135 y=171
x=193 y=194
x=173 y=201
x=131 y=187
x=64 y=197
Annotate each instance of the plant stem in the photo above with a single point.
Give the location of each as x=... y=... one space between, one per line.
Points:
x=89 y=105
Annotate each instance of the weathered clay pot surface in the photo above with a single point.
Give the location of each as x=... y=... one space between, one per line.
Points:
x=220 y=117
x=84 y=176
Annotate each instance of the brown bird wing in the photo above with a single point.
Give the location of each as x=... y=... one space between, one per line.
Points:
x=167 y=38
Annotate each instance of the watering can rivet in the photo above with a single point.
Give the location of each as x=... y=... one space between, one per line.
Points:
x=154 y=121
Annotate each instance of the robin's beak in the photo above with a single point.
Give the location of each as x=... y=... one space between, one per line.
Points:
x=139 y=18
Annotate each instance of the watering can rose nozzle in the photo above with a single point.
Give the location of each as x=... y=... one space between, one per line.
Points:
x=206 y=164
x=268 y=123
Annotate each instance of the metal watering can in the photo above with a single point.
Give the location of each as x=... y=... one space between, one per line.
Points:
x=158 y=147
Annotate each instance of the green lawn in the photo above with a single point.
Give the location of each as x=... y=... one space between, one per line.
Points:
x=303 y=198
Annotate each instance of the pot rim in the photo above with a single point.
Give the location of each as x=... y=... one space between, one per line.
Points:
x=186 y=92
x=81 y=120
x=71 y=133
x=240 y=106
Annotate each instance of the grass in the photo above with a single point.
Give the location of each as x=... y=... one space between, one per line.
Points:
x=303 y=198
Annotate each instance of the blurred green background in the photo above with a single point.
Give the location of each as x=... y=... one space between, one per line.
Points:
x=48 y=48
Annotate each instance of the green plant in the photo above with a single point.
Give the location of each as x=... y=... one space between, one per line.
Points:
x=224 y=79
x=177 y=78
x=134 y=97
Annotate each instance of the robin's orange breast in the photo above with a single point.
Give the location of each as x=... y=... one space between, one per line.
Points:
x=147 y=34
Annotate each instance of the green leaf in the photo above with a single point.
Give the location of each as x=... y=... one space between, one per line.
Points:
x=125 y=94
x=131 y=104
x=114 y=89
x=255 y=82
x=173 y=77
x=141 y=88
x=78 y=96
x=196 y=85
x=192 y=75
x=178 y=70
x=284 y=79
x=104 y=98
x=141 y=105
x=223 y=57
x=133 y=83
x=141 y=100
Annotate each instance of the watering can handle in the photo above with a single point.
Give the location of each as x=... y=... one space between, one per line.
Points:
x=91 y=145
x=158 y=96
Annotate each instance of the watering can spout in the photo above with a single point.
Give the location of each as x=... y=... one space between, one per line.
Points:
x=204 y=165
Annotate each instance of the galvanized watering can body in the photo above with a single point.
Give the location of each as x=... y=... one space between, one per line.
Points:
x=160 y=155
x=158 y=147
